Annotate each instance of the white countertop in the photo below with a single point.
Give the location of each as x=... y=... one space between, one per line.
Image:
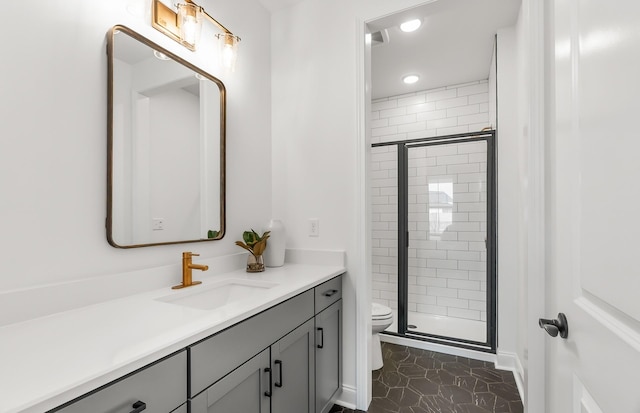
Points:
x=47 y=361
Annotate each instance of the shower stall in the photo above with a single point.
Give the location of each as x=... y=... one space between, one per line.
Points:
x=433 y=237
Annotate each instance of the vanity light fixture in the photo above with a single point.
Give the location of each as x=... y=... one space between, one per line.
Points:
x=410 y=25
x=410 y=79
x=185 y=24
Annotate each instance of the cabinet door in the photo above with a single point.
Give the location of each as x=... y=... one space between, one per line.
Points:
x=292 y=365
x=328 y=356
x=244 y=390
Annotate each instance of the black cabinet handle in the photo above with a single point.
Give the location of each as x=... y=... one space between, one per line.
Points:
x=138 y=407
x=279 y=364
x=329 y=293
x=321 y=345
x=268 y=393
x=555 y=326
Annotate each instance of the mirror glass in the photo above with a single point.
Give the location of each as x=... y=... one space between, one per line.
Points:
x=166 y=155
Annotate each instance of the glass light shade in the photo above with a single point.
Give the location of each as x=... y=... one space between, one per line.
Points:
x=190 y=21
x=228 y=49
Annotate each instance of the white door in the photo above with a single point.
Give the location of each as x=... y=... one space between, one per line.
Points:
x=593 y=207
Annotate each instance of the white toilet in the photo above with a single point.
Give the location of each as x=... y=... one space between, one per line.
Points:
x=381 y=319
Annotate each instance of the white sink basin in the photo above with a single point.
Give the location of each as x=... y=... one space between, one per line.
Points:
x=218 y=294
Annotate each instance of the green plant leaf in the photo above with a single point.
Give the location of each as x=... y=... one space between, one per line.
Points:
x=248 y=237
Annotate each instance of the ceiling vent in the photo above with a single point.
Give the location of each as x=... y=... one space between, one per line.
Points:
x=379 y=38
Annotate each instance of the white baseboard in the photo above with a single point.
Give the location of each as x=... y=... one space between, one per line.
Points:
x=510 y=361
x=347 y=397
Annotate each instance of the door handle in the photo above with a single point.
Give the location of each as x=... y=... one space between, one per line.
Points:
x=269 y=392
x=329 y=293
x=321 y=330
x=279 y=364
x=556 y=326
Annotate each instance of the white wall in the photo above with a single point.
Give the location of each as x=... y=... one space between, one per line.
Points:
x=316 y=120
x=54 y=131
x=174 y=167
x=522 y=106
x=512 y=184
x=493 y=97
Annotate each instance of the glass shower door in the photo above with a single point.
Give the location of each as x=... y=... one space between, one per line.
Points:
x=447 y=216
x=384 y=232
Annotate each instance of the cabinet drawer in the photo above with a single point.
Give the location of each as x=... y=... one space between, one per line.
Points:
x=162 y=387
x=215 y=357
x=328 y=293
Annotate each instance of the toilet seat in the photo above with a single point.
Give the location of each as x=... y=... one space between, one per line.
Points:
x=380 y=312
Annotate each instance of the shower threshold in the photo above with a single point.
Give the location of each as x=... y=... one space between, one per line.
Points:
x=457 y=328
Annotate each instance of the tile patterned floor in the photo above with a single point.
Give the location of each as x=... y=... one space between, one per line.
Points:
x=422 y=381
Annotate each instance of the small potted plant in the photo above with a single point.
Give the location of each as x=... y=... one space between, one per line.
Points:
x=256 y=245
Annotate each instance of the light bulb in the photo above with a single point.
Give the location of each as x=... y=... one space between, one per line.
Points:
x=189 y=26
x=228 y=50
x=228 y=56
x=410 y=79
x=411 y=25
x=190 y=18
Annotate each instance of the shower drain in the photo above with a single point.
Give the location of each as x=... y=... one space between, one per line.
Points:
x=412 y=326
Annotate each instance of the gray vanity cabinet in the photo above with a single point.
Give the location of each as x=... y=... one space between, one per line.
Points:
x=159 y=387
x=226 y=373
x=328 y=356
x=286 y=387
x=245 y=390
x=328 y=323
x=292 y=367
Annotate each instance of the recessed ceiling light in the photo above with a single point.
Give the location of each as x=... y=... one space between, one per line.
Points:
x=161 y=55
x=411 y=25
x=410 y=79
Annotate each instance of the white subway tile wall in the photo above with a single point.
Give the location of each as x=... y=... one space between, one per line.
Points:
x=436 y=112
x=447 y=201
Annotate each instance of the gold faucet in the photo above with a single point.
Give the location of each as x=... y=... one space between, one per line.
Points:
x=187 y=266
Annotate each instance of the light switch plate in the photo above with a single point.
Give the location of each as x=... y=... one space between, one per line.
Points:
x=157 y=224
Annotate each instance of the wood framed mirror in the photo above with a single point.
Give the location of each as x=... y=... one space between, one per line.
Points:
x=166 y=146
